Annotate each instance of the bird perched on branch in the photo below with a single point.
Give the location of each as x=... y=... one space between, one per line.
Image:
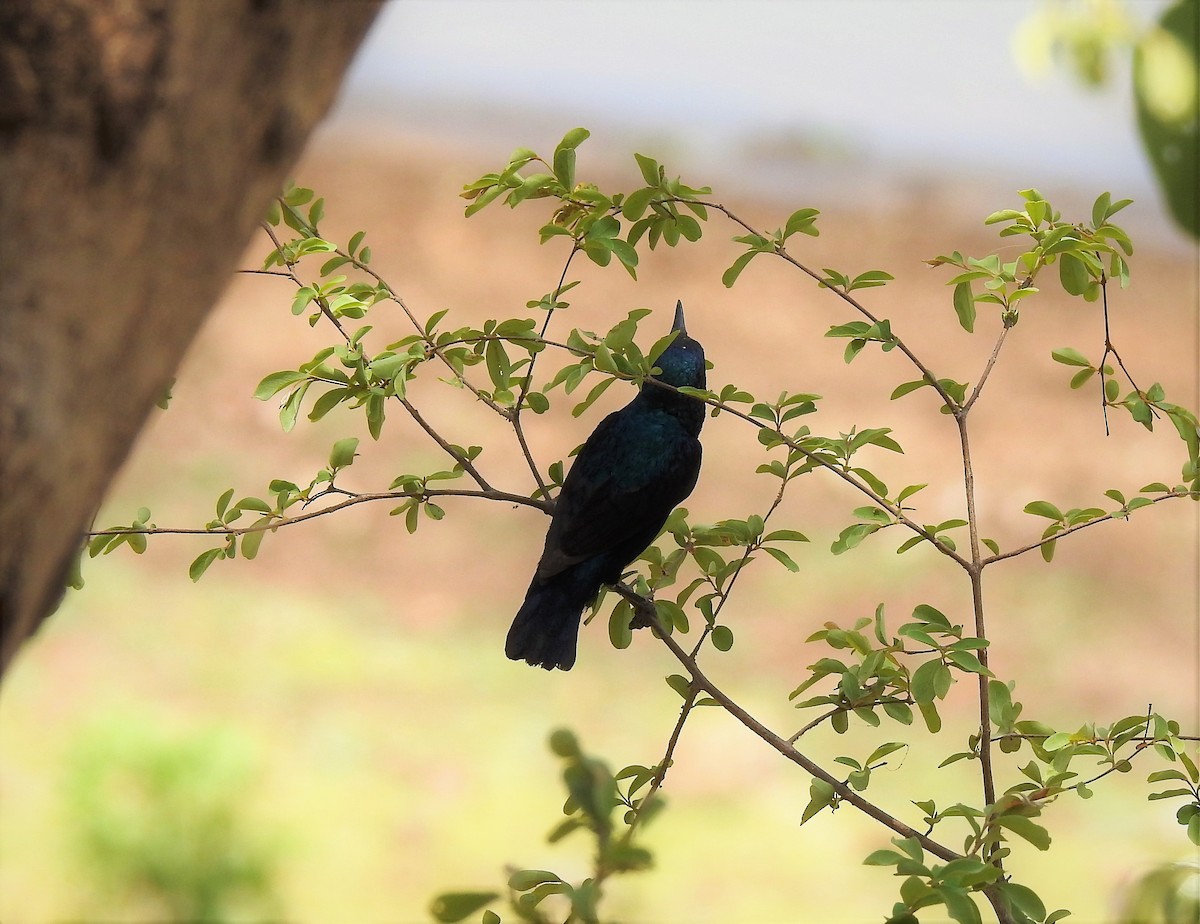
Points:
x=637 y=465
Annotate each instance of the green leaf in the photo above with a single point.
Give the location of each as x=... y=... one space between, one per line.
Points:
x=251 y=541
x=900 y=712
x=1044 y=509
x=923 y=684
x=1070 y=357
x=959 y=905
x=597 y=390
x=343 y=452
x=729 y=277
x=870 y=279
x=1073 y=274
x=783 y=558
x=525 y=879
x=964 y=306
x=619 y=632
x=883 y=858
x=801 y=221
x=1082 y=377
x=820 y=794
x=649 y=168
x=901 y=390
x=929 y=713
x=722 y=638
x=884 y=750
x=1027 y=829
x=203 y=560
x=929 y=614
x=537 y=402
x=451 y=907
x=1002 y=215
x=680 y=685
x=328 y=401
x=257 y=504
x=375 y=414
x=564 y=166
x=852 y=535
x=785 y=535
x=968 y=662
x=291 y=407
x=276 y=382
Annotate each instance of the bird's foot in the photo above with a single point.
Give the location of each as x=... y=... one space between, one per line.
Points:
x=644 y=613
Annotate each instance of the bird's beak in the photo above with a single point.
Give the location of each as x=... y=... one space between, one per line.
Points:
x=679 y=325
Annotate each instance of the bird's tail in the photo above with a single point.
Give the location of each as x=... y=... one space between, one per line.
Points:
x=546 y=628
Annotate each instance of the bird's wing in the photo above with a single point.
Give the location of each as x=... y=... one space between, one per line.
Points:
x=598 y=511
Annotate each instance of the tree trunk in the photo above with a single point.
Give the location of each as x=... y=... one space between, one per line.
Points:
x=140 y=142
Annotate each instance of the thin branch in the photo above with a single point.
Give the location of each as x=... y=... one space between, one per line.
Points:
x=843 y=790
x=836 y=709
x=457 y=456
x=668 y=756
x=987 y=369
x=527 y=379
x=708 y=627
x=976 y=575
x=546 y=507
x=1110 y=349
x=428 y=340
x=845 y=793
x=815 y=722
x=1116 y=515
x=781 y=251
x=322 y=302
x=894 y=509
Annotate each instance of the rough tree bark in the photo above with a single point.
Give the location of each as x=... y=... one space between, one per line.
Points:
x=140 y=141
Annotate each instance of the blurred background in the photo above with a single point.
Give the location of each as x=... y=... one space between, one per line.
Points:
x=332 y=733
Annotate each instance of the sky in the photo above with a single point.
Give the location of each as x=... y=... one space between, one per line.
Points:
x=905 y=83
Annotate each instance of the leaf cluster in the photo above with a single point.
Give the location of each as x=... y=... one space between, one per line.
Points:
x=594 y=797
x=882 y=672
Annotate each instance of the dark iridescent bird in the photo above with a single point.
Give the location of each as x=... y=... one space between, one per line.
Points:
x=637 y=465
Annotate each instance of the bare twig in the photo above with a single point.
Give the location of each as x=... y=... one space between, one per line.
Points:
x=987 y=369
x=546 y=507
x=976 y=574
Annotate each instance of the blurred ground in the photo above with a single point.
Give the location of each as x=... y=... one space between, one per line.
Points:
x=400 y=754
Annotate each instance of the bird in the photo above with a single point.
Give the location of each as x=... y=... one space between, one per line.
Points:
x=638 y=464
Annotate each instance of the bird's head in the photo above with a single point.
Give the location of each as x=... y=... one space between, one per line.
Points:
x=682 y=363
